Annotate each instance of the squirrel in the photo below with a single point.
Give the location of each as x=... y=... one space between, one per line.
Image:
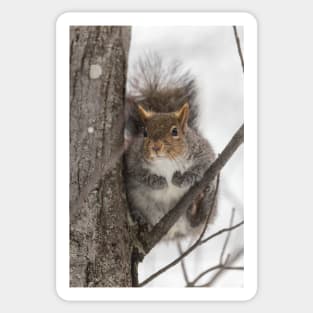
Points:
x=167 y=154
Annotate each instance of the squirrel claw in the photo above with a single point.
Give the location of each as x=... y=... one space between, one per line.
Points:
x=182 y=180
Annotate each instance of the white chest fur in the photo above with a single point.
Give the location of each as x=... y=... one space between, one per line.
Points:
x=167 y=197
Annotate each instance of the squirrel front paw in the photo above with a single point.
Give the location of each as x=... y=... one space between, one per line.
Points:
x=157 y=182
x=183 y=180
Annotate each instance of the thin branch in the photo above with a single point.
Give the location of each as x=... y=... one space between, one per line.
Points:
x=238 y=268
x=227 y=236
x=213 y=268
x=239 y=47
x=230 y=260
x=182 y=262
x=150 y=239
x=221 y=232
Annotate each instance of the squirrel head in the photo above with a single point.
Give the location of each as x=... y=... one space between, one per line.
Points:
x=164 y=133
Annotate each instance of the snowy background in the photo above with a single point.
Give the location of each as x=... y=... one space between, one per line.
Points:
x=211 y=55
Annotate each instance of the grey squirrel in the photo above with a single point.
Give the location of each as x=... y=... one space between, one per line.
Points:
x=167 y=154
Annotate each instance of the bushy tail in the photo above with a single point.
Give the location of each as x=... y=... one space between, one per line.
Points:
x=159 y=86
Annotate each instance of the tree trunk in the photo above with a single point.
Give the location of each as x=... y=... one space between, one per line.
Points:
x=100 y=244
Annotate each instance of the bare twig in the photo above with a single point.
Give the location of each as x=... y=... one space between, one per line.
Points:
x=213 y=268
x=239 y=47
x=228 y=264
x=221 y=232
x=182 y=262
x=150 y=239
x=227 y=236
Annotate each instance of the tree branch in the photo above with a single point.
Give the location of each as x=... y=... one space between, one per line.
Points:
x=221 y=232
x=239 y=47
x=213 y=268
x=150 y=239
x=227 y=264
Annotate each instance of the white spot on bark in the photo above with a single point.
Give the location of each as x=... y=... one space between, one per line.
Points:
x=90 y=130
x=95 y=71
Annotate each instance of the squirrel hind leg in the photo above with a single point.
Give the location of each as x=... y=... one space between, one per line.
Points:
x=204 y=204
x=193 y=209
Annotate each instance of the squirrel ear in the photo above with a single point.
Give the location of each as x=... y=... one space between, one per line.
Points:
x=144 y=115
x=182 y=115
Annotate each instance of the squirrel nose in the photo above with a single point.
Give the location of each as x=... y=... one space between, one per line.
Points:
x=156 y=148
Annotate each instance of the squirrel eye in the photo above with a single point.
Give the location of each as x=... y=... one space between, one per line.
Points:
x=174 y=131
x=145 y=133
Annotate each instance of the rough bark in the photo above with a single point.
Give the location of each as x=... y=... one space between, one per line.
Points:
x=100 y=244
